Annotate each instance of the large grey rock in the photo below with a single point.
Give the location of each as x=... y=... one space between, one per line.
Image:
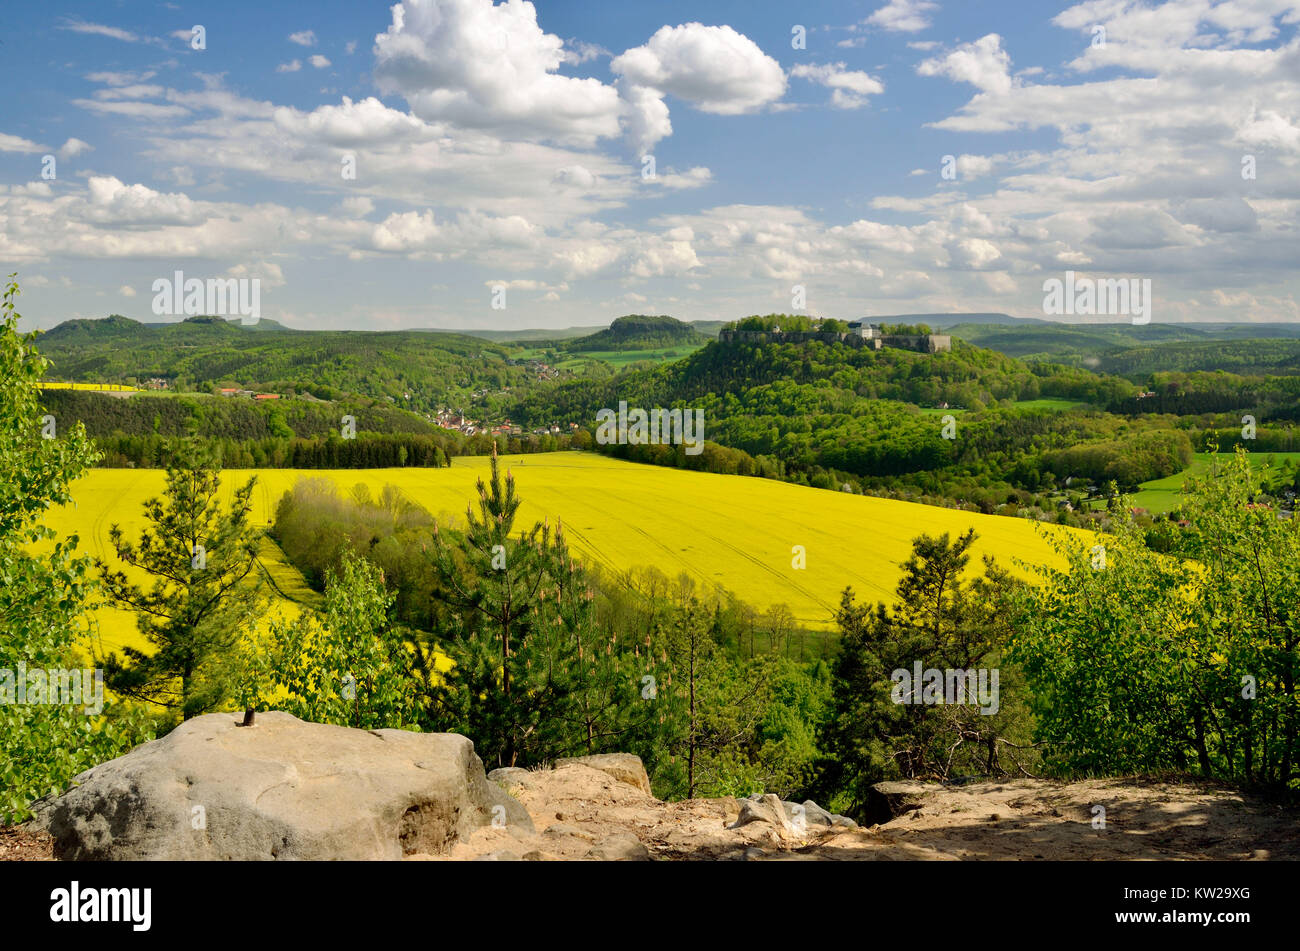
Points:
x=807 y=814
x=623 y=767
x=767 y=809
x=282 y=789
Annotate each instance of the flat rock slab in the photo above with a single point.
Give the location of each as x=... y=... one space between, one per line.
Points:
x=281 y=789
x=624 y=767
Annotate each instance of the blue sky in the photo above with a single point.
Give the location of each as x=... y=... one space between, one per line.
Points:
x=503 y=145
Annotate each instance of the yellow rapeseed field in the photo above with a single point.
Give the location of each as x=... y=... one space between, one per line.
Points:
x=737 y=532
x=94 y=387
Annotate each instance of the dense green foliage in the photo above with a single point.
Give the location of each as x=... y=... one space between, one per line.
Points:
x=416 y=369
x=226 y=417
x=45 y=740
x=1138 y=351
x=1133 y=458
x=1193 y=394
x=1173 y=649
x=882 y=726
x=296 y=433
x=551 y=658
x=347 y=664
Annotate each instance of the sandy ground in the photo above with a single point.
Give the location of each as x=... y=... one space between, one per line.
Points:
x=19 y=844
x=581 y=813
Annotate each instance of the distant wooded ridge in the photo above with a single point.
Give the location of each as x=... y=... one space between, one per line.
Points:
x=995 y=324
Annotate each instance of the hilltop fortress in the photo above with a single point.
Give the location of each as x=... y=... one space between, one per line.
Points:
x=859 y=334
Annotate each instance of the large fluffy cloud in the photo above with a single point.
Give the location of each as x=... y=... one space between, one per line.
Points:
x=713 y=68
x=117 y=205
x=490 y=66
x=368 y=122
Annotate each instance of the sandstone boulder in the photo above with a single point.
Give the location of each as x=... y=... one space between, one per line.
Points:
x=623 y=767
x=622 y=847
x=807 y=815
x=508 y=775
x=281 y=789
x=767 y=809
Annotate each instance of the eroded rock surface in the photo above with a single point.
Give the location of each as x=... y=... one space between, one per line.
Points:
x=281 y=789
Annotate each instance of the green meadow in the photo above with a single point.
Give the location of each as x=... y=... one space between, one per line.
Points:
x=1163 y=495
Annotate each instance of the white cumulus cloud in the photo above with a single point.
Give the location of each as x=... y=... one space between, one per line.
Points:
x=984 y=64
x=490 y=66
x=849 y=88
x=903 y=16
x=714 y=68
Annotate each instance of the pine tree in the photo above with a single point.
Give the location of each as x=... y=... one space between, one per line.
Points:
x=505 y=683
x=691 y=644
x=943 y=621
x=713 y=705
x=202 y=557
x=614 y=688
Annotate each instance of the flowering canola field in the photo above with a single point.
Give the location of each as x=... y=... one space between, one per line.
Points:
x=733 y=531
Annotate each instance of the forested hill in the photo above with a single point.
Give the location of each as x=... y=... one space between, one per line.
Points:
x=300 y=433
x=834 y=376
x=639 y=332
x=419 y=370
x=824 y=413
x=219 y=417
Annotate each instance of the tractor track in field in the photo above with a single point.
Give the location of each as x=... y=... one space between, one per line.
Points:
x=693 y=570
x=98 y=535
x=755 y=560
x=620 y=502
x=593 y=549
x=275 y=585
x=751 y=558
